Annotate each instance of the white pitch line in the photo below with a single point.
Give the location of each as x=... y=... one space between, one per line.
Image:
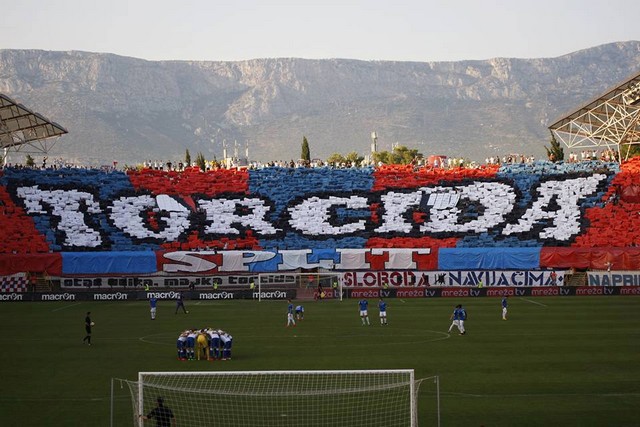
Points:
x=494 y=396
x=61 y=399
x=533 y=302
x=66 y=306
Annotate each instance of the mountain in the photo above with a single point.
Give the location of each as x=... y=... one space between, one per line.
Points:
x=130 y=110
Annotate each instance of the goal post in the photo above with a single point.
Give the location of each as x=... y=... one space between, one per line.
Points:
x=275 y=398
x=305 y=284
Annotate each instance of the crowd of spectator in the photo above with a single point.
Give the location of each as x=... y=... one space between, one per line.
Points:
x=440 y=162
x=509 y=159
x=585 y=155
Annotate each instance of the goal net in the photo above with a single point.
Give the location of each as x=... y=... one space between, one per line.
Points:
x=276 y=398
x=307 y=285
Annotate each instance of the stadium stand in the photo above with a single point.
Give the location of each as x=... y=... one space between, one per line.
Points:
x=548 y=213
x=513 y=213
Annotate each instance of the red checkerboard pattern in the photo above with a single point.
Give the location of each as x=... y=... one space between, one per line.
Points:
x=14 y=283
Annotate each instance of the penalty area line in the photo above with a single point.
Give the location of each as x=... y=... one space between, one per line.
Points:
x=534 y=302
x=66 y=306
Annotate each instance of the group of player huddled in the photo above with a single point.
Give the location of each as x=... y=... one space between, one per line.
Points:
x=204 y=344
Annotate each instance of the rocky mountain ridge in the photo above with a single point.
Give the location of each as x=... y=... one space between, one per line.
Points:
x=130 y=110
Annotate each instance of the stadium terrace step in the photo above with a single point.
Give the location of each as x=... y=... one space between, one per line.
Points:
x=578 y=278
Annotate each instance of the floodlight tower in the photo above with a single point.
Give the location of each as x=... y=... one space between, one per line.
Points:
x=224 y=153
x=374 y=142
x=374 y=147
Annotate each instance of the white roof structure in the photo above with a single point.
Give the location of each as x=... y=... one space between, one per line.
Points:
x=23 y=129
x=611 y=120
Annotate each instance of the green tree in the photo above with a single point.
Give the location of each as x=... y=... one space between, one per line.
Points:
x=306 y=153
x=354 y=158
x=187 y=158
x=201 y=162
x=628 y=151
x=336 y=159
x=401 y=155
x=555 y=153
x=29 y=162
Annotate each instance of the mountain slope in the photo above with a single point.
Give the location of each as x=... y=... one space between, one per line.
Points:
x=130 y=110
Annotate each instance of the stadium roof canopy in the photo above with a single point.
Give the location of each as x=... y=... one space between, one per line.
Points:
x=611 y=120
x=20 y=127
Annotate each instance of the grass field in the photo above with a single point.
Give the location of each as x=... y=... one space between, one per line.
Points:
x=571 y=361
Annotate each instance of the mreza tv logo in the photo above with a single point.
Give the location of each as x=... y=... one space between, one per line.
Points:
x=312 y=213
x=634 y=290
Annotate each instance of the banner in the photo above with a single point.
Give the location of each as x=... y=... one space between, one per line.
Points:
x=161 y=295
x=453 y=278
x=358 y=293
x=160 y=282
x=134 y=262
x=14 y=283
x=613 y=278
x=210 y=262
x=33 y=263
x=168 y=296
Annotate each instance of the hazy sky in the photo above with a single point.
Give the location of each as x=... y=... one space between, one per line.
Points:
x=403 y=30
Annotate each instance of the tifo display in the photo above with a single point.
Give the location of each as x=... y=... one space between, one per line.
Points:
x=92 y=222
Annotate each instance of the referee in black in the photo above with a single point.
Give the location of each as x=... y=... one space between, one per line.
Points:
x=87 y=327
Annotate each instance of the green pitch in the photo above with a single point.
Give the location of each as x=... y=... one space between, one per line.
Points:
x=571 y=361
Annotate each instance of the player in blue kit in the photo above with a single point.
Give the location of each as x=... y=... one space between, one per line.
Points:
x=181 y=345
x=364 y=314
x=454 y=318
x=458 y=316
x=504 y=307
x=191 y=344
x=153 y=303
x=299 y=312
x=227 y=343
x=382 y=306
x=214 y=344
x=290 y=320
x=461 y=319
